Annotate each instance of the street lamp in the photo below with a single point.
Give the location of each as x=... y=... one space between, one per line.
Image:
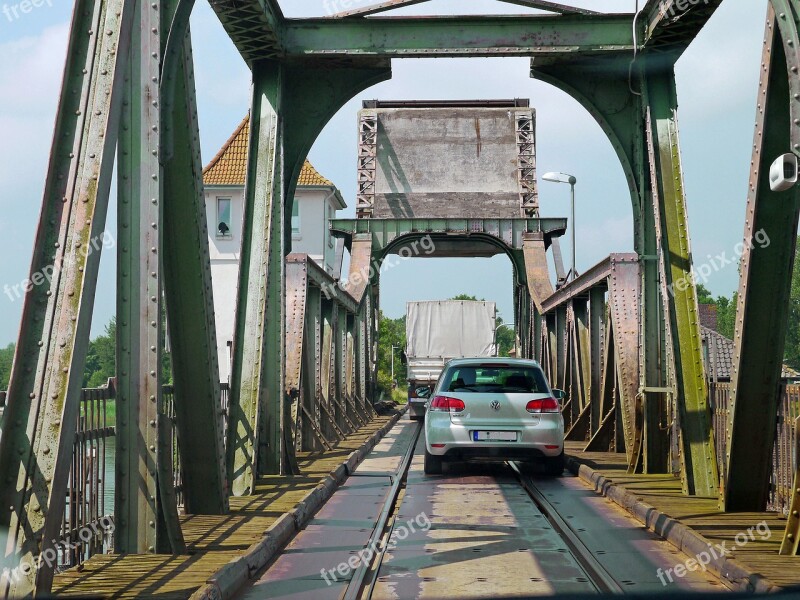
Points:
x=571 y=180
x=393 y=347
x=496 y=348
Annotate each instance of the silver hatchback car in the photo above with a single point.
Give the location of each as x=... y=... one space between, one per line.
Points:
x=494 y=408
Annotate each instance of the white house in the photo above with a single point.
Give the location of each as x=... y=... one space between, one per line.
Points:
x=316 y=200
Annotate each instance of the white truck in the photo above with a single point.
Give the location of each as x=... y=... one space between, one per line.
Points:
x=438 y=331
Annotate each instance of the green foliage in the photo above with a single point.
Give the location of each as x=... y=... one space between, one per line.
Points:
x=101 y=359
x=391 y=332
x=506 y=338
x=704 y=296
x=792 y=352
x=6 y=358
x=726 y=315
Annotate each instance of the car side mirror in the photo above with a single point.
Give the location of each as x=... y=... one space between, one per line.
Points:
x=423 y=392
x=559 y=394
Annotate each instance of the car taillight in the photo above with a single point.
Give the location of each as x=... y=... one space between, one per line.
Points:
x=543 y=405
x=446 y=404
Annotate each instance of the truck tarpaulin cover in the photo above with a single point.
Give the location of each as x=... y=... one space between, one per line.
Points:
x=450 y=329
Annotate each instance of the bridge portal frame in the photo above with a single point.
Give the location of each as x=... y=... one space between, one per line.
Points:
x=289 y=65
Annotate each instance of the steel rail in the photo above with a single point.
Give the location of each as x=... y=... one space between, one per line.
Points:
x=357 y=582
x=597 y=573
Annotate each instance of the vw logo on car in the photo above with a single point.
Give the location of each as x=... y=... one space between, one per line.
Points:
x=495 y=405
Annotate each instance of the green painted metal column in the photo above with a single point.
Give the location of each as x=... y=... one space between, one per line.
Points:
x=145 y=508
x=770 y=238
x=256 y=398
x=684 y=355
x=36 y=446
x=189 y=299
x=597 y=311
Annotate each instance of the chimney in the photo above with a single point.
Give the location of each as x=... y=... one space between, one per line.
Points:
x=708 y=316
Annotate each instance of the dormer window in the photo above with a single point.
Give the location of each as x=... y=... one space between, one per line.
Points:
x=224 y=219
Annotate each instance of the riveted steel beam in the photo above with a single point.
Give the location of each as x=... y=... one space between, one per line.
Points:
x=146 y=508
x=258 y=371
x=597 y=336
x=766 y=271
x=671 y=25
x=682 y=323
x=422 y=37
x=254 y=26
x=388 y=235
x=624 y=285
x=42 y=400
x=190 y=304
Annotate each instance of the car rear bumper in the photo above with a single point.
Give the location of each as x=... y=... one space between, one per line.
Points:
x=456 y=441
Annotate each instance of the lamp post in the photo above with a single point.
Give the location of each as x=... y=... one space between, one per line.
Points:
x=393 y=347
x=571 y=180
x=496 y=348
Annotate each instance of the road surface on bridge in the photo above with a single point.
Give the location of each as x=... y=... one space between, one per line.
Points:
x=474 y=532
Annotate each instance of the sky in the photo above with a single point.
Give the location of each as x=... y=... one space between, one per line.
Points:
x=716 y=78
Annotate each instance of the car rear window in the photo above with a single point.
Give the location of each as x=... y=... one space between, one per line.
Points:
x=494 y=379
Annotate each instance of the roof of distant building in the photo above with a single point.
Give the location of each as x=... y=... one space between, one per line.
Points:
x=719 y=352
x=229 y=166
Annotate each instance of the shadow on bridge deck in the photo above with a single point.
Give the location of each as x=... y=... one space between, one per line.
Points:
x=212 y=541
x=702 y=515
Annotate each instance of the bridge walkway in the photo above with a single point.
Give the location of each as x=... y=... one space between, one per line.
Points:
x=212 y=541
x=659 y=500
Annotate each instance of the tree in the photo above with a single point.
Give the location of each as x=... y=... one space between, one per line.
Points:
x=6 y=358
x=391 y=332
x=101 y=357
x=792 y=351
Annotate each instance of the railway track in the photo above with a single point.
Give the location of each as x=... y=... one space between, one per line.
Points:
x=495 y=530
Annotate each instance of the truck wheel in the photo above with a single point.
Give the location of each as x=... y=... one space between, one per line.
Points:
x=554 y=465
x=433 y=464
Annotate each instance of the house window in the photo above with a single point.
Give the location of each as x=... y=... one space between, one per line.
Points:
x=331 y=215
x=224 y=218
x=295 y=218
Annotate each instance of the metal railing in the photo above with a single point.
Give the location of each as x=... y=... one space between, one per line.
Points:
x=86 y=529
x=784 y=459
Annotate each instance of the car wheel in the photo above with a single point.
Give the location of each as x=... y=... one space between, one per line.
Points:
x=554 y=465
x=433 y=464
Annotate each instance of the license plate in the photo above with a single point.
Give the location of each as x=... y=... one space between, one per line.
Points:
x=494 y=436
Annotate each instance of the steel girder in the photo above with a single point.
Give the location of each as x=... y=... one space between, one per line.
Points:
x=254 y=26
x=684 y=355
x=422 y=37
x=601 y=358
x=42 y=400
x=671 y=25
x=256 y=399
x=620 y=104
x=766 y=272
x=189 y=300
x=145 y=503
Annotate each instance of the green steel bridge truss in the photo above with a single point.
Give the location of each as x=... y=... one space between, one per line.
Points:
x=129 y=94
